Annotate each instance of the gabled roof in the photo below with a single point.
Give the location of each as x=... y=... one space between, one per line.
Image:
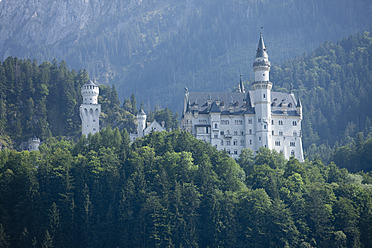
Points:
x=219 y=102
x=281 y=98
x=154 y=126
x=214 y=108
x=238 y=103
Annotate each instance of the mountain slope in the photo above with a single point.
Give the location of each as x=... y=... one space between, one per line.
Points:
x=155 y=48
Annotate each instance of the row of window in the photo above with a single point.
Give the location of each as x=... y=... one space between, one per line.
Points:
x=240 y=122
x=229 y=152
x=292 y=143
x=281 y=133
x=235 y=142
x=250 y=132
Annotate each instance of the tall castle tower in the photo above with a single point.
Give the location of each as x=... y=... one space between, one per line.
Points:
x=90 y=109
x=262 y=96
x=141 y=122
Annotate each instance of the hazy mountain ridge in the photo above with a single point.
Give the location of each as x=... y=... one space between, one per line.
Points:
x=155 y=48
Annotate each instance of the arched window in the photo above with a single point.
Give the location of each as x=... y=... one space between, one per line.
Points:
x=242 y=142
x=294 y=133
x=250 y=131
x=235 y=142
x=215 y=125
x=235 y=152
x=292 y=153
x=250 y=142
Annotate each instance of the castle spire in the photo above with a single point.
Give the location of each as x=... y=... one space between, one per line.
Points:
x=261 y=49
x=241 y=85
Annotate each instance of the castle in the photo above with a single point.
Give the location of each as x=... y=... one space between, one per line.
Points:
x=257 y=118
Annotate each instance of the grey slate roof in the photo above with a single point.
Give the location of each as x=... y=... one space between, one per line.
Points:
x=206 y=102
x=237 y=103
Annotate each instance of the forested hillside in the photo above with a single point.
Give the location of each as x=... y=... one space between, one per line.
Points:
x=155 y=48
x=335 y=85
x=171 y=190
x=43 y=100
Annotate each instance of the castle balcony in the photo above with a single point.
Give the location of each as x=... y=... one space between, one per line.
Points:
x=261 y=63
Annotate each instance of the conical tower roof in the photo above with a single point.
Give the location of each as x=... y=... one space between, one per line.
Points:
x=261 y=49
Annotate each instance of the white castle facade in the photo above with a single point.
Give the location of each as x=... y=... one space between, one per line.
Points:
x=90 y=109
x=252 y=119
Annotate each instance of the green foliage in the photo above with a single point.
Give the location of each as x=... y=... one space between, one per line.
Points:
x=355 y=156
x=171 y=190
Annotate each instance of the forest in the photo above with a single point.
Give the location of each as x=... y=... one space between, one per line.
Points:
x=170 y=190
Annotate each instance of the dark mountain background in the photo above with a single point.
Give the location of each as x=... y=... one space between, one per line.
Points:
x=155 y=48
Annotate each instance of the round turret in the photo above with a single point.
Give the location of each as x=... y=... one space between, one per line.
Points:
x=90 y=92
x=33 y=144
x=90 y=110
x=141 y=122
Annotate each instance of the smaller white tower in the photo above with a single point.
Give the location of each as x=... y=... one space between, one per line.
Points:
x=33 y=144
x=141 y=122
x=90 y=110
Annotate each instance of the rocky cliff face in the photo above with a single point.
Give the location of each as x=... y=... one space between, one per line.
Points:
x=33 y=25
